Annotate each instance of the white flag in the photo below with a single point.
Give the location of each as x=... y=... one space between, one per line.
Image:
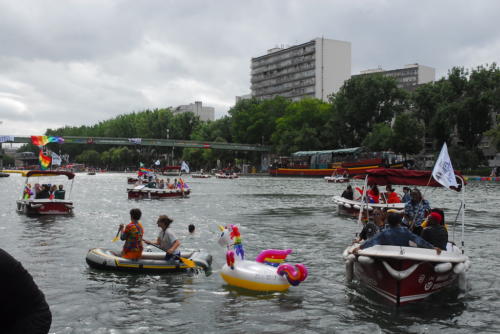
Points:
x=56 y=160
x=157 y=163
x=184 y=167
x=443 y=170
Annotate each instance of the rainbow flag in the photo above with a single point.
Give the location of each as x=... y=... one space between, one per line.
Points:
x=44 y=140
x=145 y=171
x=44 y=160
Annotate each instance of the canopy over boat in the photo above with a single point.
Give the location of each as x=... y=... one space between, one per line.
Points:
x=385 y=176
x=32 y=173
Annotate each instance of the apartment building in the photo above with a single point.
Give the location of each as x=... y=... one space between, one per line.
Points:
x=313 y=69
x=408 y=77
x=197 y=108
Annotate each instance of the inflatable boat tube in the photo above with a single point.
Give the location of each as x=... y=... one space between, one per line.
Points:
x=254 y=276
x=150 y=262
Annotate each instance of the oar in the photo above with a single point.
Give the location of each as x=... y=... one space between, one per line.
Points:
x=187 y=262
x=117 y=234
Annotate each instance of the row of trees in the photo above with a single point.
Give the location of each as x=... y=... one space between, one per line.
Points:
x=367 y=111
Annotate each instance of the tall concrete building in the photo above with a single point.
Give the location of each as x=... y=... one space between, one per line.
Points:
x=408 y=77
x=205 y=113
x=313 y=69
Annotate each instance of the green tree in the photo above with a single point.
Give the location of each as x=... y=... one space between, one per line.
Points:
x=407 y=134
x=380 y=139
x=364 y=101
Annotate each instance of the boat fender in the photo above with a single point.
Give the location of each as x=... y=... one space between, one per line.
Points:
x=347 y=205
x=462 y=281
x=370 y=208
x=349 y=270
x=365 y=259
x=459 y=268
x=467 y=265
x=400 y=275
x=443 y=267
x=356 y=206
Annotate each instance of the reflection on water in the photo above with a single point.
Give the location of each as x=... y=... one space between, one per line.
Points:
x=276 y=213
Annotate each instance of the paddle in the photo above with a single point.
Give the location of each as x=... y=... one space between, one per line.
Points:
x=187 y=262
x=117 y=234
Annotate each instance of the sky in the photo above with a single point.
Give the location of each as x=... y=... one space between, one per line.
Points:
x=79 y=62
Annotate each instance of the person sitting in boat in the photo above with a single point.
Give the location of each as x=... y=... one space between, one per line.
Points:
x=151 y=183
x=390 y=196
x=166 y=239
x=27 y=192
x=132 y=234
x=435 y=232
x=53 y=189
x=373 y=194
x=415 y=211
x=396 y=235
x=44 y=193
x=406 y=195
x=60 y=193
x=348 y=193
x=161 y=184
x=372 y=228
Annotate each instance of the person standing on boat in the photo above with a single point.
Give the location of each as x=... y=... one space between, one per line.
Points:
x=416 y=210
x=406 y=195
x=23 y=308
x=132 y=234
x=166 y=239
x=348 y=193
x=396 y=235
x=436 y=232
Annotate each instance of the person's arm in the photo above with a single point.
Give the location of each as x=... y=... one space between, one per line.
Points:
x=123 y=234
x=172 y=249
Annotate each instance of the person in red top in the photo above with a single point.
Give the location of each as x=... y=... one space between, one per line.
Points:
x=132 y=234
x=390 y=196
x=373 y=194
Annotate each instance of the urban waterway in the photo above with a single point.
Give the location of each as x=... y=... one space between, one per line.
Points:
x=280 y=213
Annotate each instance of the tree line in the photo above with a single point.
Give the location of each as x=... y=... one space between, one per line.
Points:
x=368 y=110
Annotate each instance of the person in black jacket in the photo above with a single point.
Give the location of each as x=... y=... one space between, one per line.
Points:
x=23 y=308
x=435 y=233
x=348 y=194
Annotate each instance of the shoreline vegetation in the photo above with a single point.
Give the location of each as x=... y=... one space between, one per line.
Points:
x=371 y=111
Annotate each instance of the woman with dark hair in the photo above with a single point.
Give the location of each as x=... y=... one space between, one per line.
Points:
x=132 y=234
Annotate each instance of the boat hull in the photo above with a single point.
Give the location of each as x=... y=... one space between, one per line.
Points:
x=404 y=275
x=148 y=193
x=151 y=262
x=45 y=207
x=226 y=176
x=351 y=207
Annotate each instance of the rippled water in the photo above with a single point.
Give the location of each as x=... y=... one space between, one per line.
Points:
x=273 y=213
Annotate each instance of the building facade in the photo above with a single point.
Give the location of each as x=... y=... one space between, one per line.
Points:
x=408 y=77
x=313 y=69
x=197 y=108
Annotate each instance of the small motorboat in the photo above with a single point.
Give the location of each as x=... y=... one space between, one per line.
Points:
x=31 y=204
x=143 y=192
x=4 y=174
x=200 y=176
x=132 y=180
x=408 y=274
x=352 y=207
x=339 y=176
x=150 y=262
x=226 y=175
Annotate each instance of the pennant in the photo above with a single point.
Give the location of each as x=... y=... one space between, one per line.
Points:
x=157 y=163
x=56 y=159
x=443 y=170
x=44 y=140
x=184 y=167
x=44 y=160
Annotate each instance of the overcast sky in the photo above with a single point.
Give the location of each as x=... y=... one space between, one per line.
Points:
x=72 y=62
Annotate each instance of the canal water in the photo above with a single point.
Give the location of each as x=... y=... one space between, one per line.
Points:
x=278 y=213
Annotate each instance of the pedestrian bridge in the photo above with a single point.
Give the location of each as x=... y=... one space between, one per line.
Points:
x=154 y=142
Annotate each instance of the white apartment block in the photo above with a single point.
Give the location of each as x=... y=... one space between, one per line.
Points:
x=408 y=77
x=314 y=69
x=205 y=113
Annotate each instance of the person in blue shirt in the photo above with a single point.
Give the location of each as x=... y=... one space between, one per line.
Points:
x=396 y=235
x=416 y=210
x=406 y=195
